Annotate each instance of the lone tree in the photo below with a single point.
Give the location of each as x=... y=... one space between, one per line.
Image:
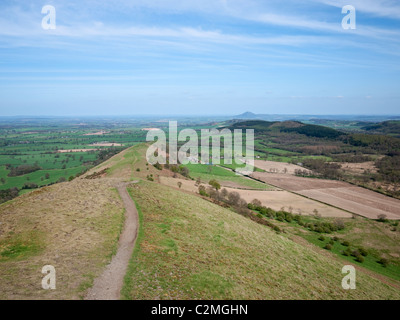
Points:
x=215 y=184
x=233 y=198
x=256 y=203
x=224 y=193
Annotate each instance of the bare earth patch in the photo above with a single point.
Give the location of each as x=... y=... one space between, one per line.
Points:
x=75 y=150
x=106 y=144
x=99 y=133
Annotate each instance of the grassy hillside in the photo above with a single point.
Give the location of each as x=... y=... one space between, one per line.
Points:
x=188 y=248
x=192 y=249
x=73 y=226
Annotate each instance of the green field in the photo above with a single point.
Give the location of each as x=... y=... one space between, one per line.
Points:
x=207 y=172
x=35 y=143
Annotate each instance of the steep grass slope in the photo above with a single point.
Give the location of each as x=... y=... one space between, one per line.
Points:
x=73 y=226
x=190 y=248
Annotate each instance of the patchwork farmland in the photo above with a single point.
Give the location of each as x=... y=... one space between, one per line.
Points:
x=339 y=194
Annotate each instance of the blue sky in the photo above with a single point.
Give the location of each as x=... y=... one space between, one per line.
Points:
x=199 y=57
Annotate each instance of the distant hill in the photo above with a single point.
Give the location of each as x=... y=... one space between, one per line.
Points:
x=323 y=119
x=247 y=115
x=386 y=127
x=289 y=127
x=313 y=130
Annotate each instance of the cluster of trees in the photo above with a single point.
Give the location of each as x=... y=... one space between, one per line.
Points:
x=357 y=253
x=312 y=130
x=303 y=172
x=391 y=127
x=22 y=169
x=282 y=215
x=233 y=199
x=373 y=143
x=325 y=227
x=184 y=171
x=351 y=158
x=228 y=199
x=239 y=205
x=8 y=194
x=327 y=170
x=106 y=154
x=389 y=168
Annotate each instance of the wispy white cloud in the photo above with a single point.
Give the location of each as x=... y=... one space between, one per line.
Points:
x=380 y=8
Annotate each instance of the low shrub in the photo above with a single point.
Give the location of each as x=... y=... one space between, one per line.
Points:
x=363 y=252
x=360 y=258
x=384 y=262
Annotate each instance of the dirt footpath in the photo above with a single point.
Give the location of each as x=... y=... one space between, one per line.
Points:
x=109 y=284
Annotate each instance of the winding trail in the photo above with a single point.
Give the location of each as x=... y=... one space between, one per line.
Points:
x=108 y=285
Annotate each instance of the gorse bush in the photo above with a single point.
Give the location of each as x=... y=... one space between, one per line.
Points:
x=360 y=258
x=363 y=252
x=158 y=166
x=347 y=252
x=346 y=243
x=384 y=262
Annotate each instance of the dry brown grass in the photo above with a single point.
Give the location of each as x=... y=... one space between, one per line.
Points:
x=73 y=226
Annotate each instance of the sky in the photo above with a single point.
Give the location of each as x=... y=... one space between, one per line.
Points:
x=205 y=57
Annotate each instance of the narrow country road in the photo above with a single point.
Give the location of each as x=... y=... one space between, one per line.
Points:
x=108 y=285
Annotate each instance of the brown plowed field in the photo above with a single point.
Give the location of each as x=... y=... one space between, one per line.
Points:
x=275 y=199
x=336 y=193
